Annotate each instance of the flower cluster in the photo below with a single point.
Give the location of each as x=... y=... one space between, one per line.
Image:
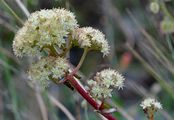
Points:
x=87 y=37
x=42 y=29
x=49 y=35
x=51 y=29
x=149 y=102
x=103 y=83
x=150 y=106
x=48 y=68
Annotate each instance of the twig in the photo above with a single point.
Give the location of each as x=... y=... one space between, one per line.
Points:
x=62 y=107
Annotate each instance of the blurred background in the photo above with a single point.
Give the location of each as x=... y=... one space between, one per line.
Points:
x=142 y=49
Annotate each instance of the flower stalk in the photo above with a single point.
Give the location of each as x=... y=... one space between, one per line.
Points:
x=80 y=63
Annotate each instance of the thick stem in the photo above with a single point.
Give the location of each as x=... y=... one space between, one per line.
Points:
x=88 y=98
x=101 y=105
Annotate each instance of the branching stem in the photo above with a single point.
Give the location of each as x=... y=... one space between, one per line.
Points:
x=88 y=98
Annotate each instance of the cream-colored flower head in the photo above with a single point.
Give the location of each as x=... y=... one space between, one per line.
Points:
x=104 y=82
x=88 y=37
x=44 y=28
x=151 y=103
x=48 y=68
x=150 y=106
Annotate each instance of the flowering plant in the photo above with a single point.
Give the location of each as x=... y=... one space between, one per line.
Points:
x=49 y=35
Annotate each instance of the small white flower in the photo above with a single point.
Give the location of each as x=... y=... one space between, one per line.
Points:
x=103 y=83
x=91 y=38
x=112 y=77
x=46 y=69
x=149 y=102
x=150 y=106
x=44 y=28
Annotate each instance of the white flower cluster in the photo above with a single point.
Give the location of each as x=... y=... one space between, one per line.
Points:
x=49 y=30
x=48 y=68
x=103 y=83
x=88 y=37
x=150 y=106
x=44 y=28
x=150 y=103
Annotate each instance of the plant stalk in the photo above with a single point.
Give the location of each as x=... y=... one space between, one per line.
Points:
x=151 y=117
x=88 y=98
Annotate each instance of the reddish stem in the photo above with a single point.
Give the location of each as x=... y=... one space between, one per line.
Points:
x=102 y=105
x=88 y=98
